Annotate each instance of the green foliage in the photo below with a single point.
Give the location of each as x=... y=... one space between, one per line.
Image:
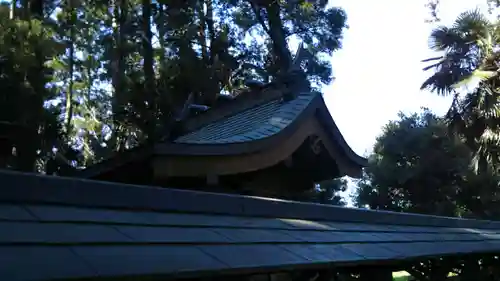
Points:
x=470 y=50
x=328 y=192
x=418 y=166
x=24 y=49
x=94 y=77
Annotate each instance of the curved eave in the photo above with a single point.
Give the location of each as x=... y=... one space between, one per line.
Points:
x=316 y=105
x=327 y=121
x=114 y=162
x=226 y=149
x=315 y=109
x=251 y=130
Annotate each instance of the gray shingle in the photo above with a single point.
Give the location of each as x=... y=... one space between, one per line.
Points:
x=23 y=263
x=14 y=212
x=491 y=236
x=378 y=251
x=33 y=232
x=249 y=256
x=147 y=260
x=392 y=236
x=308 y=252
x=359 y=226
x=492 y=245
x=440 y=236
x=256 y=235
x=323 y=252
x=421 y=249
x=210 y=220
x=308 y=224
x=58 y=213
x=172 y=234
x=250 y=124
x=422 y=229
x=332 y=236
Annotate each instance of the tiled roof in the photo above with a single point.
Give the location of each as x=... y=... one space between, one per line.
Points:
x=251 y=124
x=58 y=228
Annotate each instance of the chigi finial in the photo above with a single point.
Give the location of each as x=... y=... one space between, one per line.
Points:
x=295 y=79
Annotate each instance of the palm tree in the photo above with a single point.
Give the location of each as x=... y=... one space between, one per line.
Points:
x=467 y=47
x=471 y=53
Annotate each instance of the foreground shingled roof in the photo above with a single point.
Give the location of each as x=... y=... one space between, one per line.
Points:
x=58 y=228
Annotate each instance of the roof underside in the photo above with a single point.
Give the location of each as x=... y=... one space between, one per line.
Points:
x=114 y=230
x=255 y=123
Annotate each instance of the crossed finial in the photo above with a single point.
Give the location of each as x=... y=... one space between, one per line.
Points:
x=295 y=79
x=301 y=55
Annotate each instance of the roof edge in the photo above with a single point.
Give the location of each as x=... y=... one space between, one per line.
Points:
x=120 y=158
x=214 y=149
x=326 y=120
x=24 y=188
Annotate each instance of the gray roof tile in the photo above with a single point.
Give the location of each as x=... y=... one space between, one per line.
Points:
x=146 y=260
x=332 y=236
x=257 y=235
x=323 y=253
x=379 y=251
x=172 y=235
x=253 y=256
x=14 y=212
x=22 y=263
x=189 y=233
x=29 y=232
x=250 y=124
x=61 y=214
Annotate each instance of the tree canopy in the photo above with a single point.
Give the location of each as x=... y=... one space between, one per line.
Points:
x=90 y=78
x=469 y=57
x=419 y=166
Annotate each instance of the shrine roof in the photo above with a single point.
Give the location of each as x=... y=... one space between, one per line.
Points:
x=256 y=122
x=61 y=228
x=253 y=123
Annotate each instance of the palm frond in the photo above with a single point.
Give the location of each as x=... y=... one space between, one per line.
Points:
x=433 y=59
x=435 y=65
x=471 y=22
x=476 y=76
x=444 y=38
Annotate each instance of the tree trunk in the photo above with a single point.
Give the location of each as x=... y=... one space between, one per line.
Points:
x=278 y=36
x=118 y=69
x=149 y=75
x=71 y=43
x=28 y=143
x=202 y=35
x=12 y=13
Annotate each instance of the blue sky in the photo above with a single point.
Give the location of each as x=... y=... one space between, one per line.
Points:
x=379 y=71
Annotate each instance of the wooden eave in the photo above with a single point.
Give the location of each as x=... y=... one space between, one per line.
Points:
x=133 y=155
x=224 y=158
x=62 y=228
x=266 y=143
x=253 y=156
